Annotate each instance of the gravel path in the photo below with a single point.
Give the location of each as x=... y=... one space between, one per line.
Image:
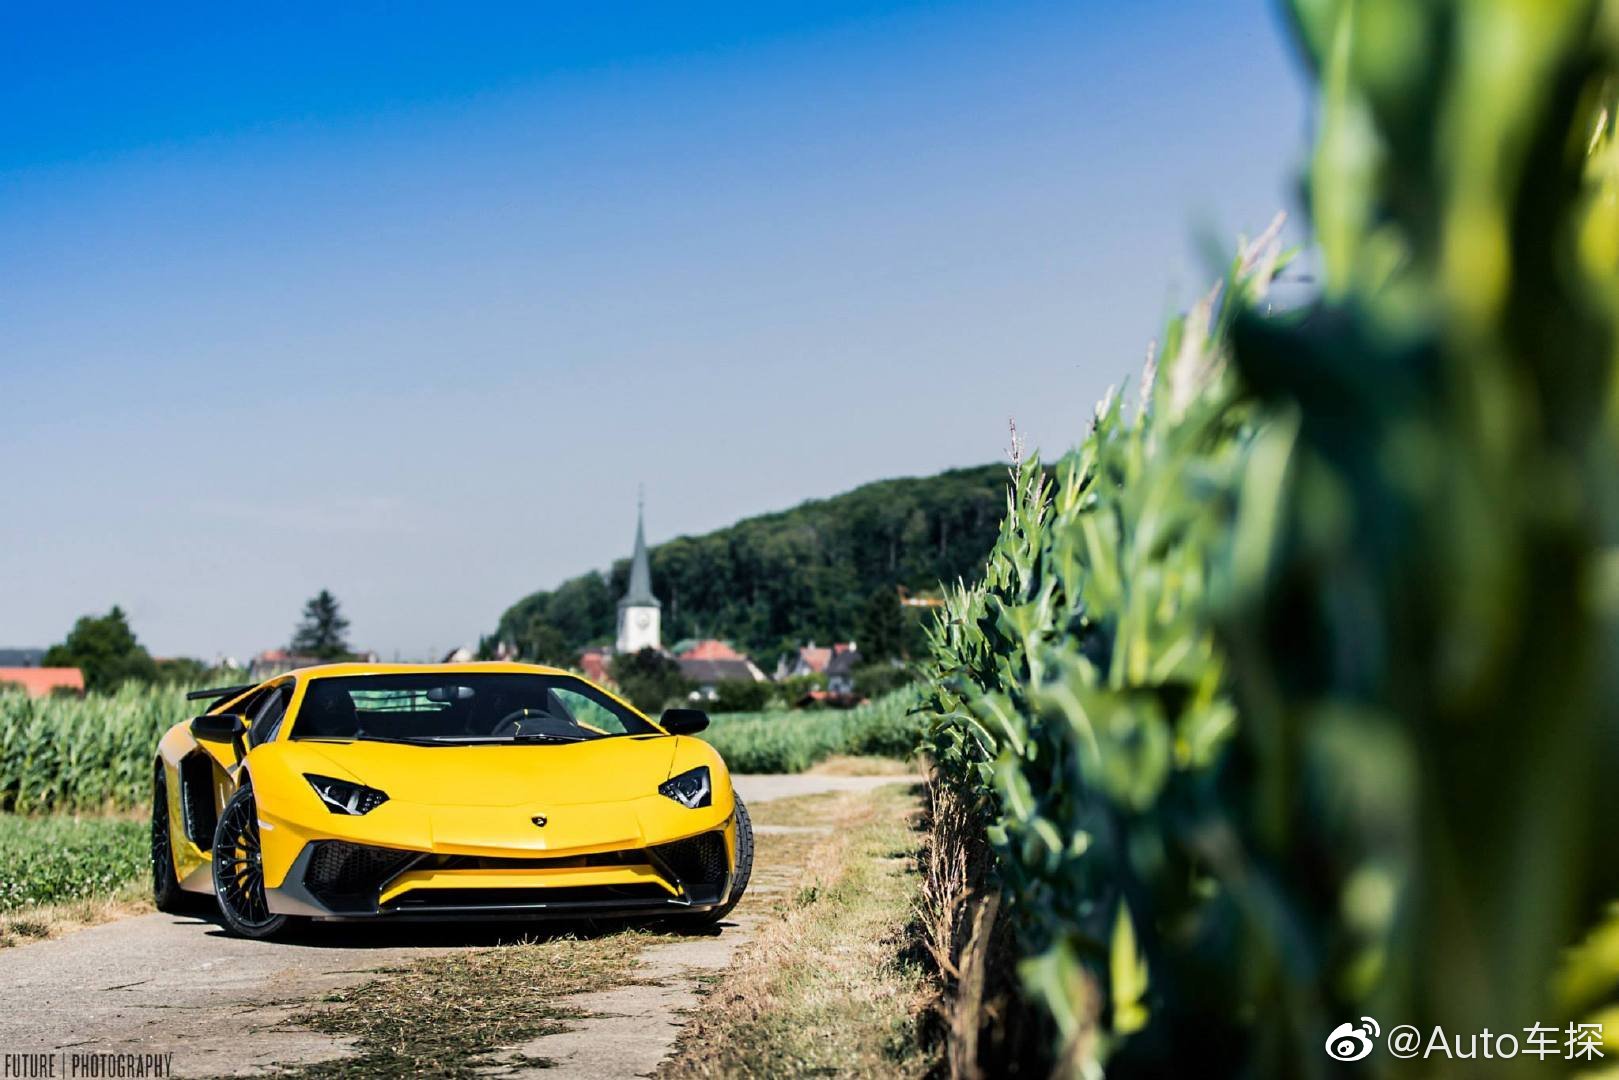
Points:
x=172 y=984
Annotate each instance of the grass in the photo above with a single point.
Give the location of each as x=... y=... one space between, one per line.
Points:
x=62 y=873
x=37 y=923
x=56 y=860
x=791 y=742
x=826 y=988
x=446 y=1016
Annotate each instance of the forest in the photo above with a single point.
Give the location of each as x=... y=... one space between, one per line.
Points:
x=772 y=582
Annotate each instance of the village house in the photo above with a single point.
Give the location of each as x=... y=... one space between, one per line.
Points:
x=40 y=681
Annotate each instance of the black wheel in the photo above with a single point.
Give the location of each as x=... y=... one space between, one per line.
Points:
x=166 y=892
x=744 y=866
x=239 y=870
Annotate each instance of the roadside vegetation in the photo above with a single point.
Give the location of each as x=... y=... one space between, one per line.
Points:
x=57 y=872
x=829 y=985
x=1289 y=698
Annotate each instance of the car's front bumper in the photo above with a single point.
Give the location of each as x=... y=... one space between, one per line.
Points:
x=339 y=879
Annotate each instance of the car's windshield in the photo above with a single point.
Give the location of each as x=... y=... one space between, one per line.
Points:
x=462 y=708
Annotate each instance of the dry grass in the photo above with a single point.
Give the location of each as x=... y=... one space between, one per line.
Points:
x=826 y=988
x=848 y=765
x=45 y=921
x=447 y=1016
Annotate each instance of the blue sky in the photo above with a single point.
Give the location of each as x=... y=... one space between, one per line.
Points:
x=405 y=300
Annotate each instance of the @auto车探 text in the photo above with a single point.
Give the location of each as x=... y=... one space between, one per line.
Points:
x=1357 y=1039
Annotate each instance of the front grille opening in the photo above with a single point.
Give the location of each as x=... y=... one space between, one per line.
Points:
x=629 y=857
x=340 y=871
x=197 y=799
x=418 y=899
x=695 y=861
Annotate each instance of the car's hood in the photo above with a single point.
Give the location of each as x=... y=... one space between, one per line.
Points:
x=602 y=770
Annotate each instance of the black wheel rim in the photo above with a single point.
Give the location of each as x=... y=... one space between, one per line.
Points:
x=162 y=858
x=240 y=864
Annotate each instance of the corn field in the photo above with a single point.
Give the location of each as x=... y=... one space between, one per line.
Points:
x=83 y=754
x=1289 y=697
x=792 y=741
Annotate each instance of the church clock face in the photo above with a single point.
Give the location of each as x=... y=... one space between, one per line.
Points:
x=643 y=620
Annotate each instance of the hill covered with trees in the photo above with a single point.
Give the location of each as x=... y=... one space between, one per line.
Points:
x=819 y=571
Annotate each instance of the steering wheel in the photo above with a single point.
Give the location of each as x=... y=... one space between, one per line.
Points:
x=512 y=722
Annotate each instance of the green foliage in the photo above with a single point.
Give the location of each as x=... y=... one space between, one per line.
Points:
x=67 y=753
x=105 y=649
x=1292 y=698
x=1077 y=693
x=792 y=741
x=792 y=689
x=541 y=643
x=1429 y=634
x=321 y=633
x=50 y=860
x=875 y=680
x=776 y=581
x=882 y=633
x=650 y=680
x=740 y=695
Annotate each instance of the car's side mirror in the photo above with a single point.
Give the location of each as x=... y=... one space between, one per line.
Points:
x=683 y=721
x=219 y=727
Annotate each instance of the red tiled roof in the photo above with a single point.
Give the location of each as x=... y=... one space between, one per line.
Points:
x=815 y=657
x=593 y=662
x=39 y=681
x=712 y=650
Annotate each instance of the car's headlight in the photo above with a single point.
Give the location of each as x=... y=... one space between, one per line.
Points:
x=344 y=797
x=690 y=789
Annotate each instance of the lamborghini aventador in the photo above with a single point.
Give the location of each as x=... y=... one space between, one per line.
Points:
x=444 y=791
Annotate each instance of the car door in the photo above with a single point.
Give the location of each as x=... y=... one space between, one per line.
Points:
x=263 y=711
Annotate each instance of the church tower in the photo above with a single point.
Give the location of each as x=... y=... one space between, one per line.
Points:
x=639 y=610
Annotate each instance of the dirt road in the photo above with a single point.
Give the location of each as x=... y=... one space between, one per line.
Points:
x=177 y=985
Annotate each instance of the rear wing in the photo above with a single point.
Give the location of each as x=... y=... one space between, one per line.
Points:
x=218 y=692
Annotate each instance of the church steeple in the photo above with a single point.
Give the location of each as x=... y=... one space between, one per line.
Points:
x=639 y=612
x=639 y=594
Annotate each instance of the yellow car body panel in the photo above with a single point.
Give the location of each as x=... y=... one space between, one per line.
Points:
x=458 y=820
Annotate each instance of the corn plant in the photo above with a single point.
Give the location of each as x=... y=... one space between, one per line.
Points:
x=1291 y=698
x=1080 y=688
x=1423 y=618
x=94 y=752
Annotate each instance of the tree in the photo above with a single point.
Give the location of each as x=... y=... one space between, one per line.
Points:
x=321 y=633
x=105 y=650
x=882 y=627
x=649 y=679
x=778 y=580
x=543 y=643
x=741 y=695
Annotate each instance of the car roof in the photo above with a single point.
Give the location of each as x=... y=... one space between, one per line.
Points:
x=489 y=667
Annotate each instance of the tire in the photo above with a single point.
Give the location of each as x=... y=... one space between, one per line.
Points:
x=744 y=867
x=239 y=870
x=167 y=895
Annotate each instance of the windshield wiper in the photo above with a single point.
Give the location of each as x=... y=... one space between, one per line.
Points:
x=546 y=736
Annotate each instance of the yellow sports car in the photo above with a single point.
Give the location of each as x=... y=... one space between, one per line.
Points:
x=442 y=791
